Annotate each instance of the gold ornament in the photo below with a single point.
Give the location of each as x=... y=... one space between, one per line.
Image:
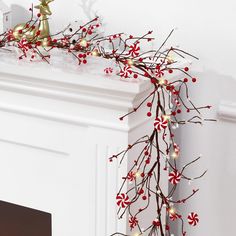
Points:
x=44 y=25
x=40 y=32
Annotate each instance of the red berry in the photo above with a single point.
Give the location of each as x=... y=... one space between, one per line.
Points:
x=142 y=175
x=178 y=111
x=185 y=80
x=156 y=223
x=149 y=104
x=146 y=153
x=170 y=71
x=153 y=81
x=20 y=31
x=188 y=110
x=186 y=69
x=38 y=15
x=147 y=161
x=149 y=114
x=135 y=76
x=194 y=80
x=173 y=113
x=144 y=198
x=84 y=30
x=85 y=61
x=141 y=191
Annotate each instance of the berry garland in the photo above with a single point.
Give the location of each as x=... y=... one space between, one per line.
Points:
x=165 y=102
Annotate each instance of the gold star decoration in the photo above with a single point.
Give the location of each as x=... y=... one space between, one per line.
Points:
x=44 y=7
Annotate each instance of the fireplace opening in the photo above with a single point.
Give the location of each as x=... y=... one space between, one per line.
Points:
x=22 y=221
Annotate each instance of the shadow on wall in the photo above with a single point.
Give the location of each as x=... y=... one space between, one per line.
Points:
x=216 y=142
x=19 y=14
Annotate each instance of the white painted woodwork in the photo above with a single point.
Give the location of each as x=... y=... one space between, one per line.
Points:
x=58 y=128
x=59 y=124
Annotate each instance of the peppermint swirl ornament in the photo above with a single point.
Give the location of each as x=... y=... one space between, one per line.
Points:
x=122 y=200
x=193 y=219
x=126 y=72
x=174 y=177
x=133 y=221
x=161 y=123
x=134 y=50
x=108 y=71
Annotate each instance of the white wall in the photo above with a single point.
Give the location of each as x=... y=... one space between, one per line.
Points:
x=206 y=29
x=216 y=142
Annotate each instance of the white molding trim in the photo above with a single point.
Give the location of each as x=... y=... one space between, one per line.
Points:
x=87 y=87
x=227 y=111
x=38 y=148
x=58 y=117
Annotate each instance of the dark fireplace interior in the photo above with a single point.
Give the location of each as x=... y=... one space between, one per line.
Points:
x=22 y=221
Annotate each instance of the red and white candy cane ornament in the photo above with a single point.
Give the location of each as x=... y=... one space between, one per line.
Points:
x=174 y=177
x=193 y=219
x=122 y=200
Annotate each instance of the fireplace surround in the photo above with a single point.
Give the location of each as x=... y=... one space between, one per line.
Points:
x=58 y=127
x=22 y=221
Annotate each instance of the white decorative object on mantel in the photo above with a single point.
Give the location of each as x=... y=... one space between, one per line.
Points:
x=58 y=126
x=5 y=17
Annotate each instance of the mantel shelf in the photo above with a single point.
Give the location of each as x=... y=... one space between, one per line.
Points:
x=65 y=70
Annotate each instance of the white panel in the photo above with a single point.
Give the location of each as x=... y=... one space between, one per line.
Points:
x=43 y=167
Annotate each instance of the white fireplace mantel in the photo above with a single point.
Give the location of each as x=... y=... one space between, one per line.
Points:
x=59 y=124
